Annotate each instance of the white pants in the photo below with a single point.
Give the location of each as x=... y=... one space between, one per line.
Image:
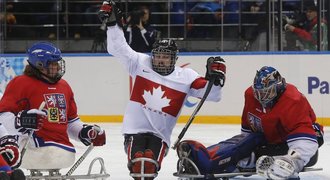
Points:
x=49 y=157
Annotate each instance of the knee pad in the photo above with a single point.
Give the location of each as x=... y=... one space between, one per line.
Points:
x=221 y=157
x=149 y=167
x=226 y=154
x=136 y=167
x=146 y=167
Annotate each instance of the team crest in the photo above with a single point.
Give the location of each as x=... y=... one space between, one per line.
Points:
x=255 y=123
x=53 y=115
x=56 y=108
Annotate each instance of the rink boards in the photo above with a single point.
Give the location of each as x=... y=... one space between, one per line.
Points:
x=102 y=86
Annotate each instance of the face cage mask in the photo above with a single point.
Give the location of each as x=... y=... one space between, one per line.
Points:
x=266 y=95
x=59 y=72
x=163 y=69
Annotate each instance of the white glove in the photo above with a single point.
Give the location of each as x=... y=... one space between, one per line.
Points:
x=288 y=20
x=262 y=165
x=286 y=27
x=280 y=167
x=283 y=168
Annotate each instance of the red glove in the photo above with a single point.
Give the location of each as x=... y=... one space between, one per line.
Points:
x=110 y=14
x=92 y=134
x=216 y=68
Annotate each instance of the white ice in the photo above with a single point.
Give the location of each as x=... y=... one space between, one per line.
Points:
x=116 y=160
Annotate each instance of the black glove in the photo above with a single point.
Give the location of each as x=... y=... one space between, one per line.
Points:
x=10 y=151
x=319 y=133
x=110 y=14
x=28 y=120
x=216 y=68
x=92 y=134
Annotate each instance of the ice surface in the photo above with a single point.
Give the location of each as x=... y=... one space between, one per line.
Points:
x=116 y=160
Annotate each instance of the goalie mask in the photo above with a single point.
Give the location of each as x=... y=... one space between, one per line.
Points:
x=164 y=55
x=47 y=60
x=268 y=86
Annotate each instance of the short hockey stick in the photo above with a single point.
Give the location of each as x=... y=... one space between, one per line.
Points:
x=192 y=117
x=80 y=160
x=41 y=107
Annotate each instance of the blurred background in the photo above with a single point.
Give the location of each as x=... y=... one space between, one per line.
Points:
x=203 y=26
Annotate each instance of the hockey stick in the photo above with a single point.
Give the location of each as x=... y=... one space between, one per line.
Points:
x=80 y=160
x=192 y=117
x=41 y=107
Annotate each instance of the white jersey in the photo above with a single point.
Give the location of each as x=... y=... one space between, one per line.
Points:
x=156 y=101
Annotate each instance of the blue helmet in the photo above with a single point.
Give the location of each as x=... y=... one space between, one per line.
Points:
x=268 y=85
x=41 y=55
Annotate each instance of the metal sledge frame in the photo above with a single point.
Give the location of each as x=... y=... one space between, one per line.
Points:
x=197 y=175
x=55 y=174
x=142 y=175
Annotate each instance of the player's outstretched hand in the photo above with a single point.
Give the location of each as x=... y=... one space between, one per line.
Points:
x=110 y=14
x=92 y=134
x=9 y=150
x=27 y=120
x=216 y=68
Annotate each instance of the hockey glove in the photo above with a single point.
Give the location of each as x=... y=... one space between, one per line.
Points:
x=28 y=120
x=110 y=14
x=280 y=167
x=287 y=20
x=10 y=151
x=216 y=68
x=92 y=134
x=319 y=133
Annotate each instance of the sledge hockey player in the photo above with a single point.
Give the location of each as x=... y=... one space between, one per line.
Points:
x=279 y=134
x=159 y=91
x=42 y=103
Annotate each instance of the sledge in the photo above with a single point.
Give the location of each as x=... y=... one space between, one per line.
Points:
x=55 y=173
x=182 y=173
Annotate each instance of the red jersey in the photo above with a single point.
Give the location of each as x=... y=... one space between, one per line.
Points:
x=24 y=93
x=290 y=119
